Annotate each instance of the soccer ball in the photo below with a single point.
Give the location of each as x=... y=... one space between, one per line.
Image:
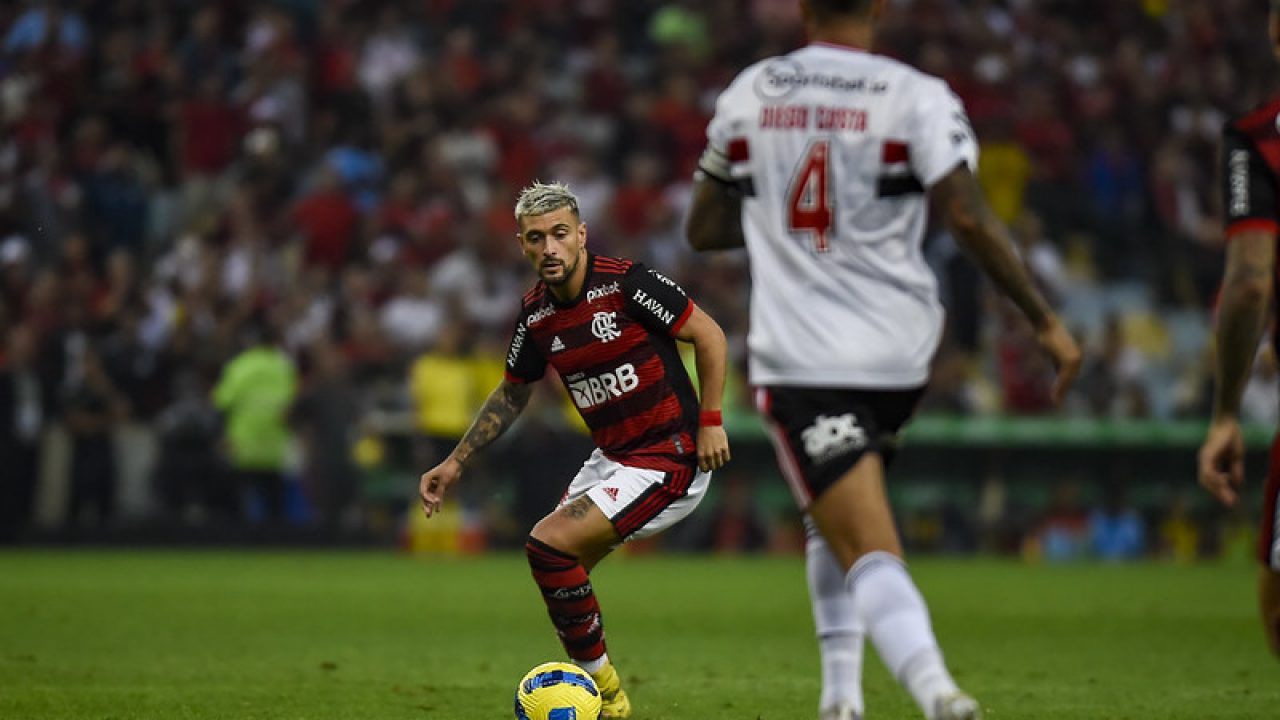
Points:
x=557 y=691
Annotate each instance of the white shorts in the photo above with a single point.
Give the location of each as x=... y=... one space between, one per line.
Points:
x=638 y=502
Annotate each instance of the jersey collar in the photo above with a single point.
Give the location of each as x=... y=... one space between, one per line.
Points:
x=838 y=46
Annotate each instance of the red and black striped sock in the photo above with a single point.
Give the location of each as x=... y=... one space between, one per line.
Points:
x=571 y=603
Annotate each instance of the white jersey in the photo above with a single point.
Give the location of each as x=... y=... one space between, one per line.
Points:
x=833 y=149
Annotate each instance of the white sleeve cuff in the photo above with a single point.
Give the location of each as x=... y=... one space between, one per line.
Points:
x=716 y=164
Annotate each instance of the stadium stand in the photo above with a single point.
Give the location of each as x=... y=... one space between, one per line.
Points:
x=178 y=176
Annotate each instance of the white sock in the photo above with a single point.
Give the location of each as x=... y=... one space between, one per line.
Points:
x=593 y=666
x=840 y=634
x=894 y=613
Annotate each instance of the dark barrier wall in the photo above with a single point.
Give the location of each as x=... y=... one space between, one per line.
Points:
x=1051 y=488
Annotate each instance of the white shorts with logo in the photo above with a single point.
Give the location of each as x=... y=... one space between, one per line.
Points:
x=637 y=501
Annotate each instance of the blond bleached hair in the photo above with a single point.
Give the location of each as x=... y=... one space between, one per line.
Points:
x=542 y=198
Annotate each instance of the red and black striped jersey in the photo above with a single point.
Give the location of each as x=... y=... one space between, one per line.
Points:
x=615 y=350
x=1250 y=167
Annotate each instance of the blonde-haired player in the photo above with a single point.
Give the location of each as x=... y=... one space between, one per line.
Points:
x=609 y=328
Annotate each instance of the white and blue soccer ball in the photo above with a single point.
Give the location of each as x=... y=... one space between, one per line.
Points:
x=557 y=691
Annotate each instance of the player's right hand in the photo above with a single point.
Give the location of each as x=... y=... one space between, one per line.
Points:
x=713 y=448
x=1222 y=461
x=434 y=483
x=1055 y=340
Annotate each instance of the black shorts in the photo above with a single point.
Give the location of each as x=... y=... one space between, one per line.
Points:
x=819 y=434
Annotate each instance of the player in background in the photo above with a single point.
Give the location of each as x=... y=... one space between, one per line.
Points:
x=608 y=327
x=1250 y=173
x=823 y=163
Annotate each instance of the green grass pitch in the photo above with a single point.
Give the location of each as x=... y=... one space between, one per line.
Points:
x=169 y=635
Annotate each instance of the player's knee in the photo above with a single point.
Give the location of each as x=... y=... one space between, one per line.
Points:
x=549 y=541
x=544 y=554
x=893 y=588
x=549 y=533
x=848 y=549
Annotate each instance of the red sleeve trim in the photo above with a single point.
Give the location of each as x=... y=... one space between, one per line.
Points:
x=895 y=152
x=684 y=317
x=1258 y=118
x=1253 y=225
x=513 y=379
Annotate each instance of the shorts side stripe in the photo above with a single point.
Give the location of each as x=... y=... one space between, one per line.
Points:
x=656 y=504
x=644 y=508
x=787 y=462
x=679 y=481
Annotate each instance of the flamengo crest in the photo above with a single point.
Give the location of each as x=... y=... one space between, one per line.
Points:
x=604 y=325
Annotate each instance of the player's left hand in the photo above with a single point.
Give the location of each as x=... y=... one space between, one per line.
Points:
x=1222 y=461
x=1057 y=341
x=434 y=482
x=713 y=447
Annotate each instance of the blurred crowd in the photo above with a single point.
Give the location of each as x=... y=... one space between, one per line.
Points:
x=271 y=233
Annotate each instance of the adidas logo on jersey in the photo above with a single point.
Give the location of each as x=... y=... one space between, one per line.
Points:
x=611 y=492
x=557 y=344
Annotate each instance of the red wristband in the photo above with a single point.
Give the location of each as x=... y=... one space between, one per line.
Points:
x=710 y=418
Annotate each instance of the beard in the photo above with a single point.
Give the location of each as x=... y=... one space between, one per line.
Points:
x=567 y=269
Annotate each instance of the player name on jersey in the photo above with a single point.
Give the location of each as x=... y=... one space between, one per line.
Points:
x=832 y=149
x=824 y=117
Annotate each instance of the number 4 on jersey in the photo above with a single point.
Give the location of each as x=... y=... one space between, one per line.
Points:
x=808 y=201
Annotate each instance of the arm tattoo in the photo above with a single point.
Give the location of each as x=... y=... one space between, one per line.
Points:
x=577 y=509
x=504 y=405
x=960 y=200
